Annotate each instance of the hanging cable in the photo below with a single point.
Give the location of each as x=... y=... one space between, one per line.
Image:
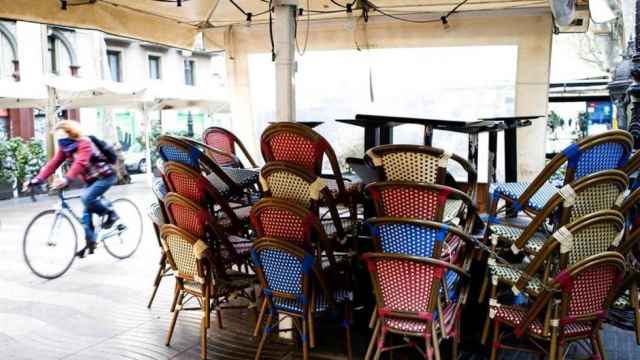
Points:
x=273 y=47
x=238 y=7
x=306 y=36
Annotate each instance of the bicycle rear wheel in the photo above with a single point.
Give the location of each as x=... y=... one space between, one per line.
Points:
x=123 y=238
x=49 y=244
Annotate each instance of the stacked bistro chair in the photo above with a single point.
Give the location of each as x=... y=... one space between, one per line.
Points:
x=609 y=150
x=299 y=145
x=580 y=200
x=628 y=302
x=409 y=302
x=185 y=180
x=295 y=286
x=224 y=140
x=158 y=216
x=200 y=276
x=282 y=180
x=631 y=169
x=200 y=223
x=571 y=308
x=234 y=185
x=422 y=164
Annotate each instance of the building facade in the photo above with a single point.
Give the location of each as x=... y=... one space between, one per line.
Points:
x=28 y=51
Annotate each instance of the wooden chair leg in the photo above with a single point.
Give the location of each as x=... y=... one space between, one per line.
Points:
x=487 y=322
x=263 y=309
x=219 y=316
x=347 y=329
x=496 y=340
x=265 y=333
x=312 y=332
x=156 y=282
x=455 y=340
x=435 y=341
x=175 y=317
x=176 y=291
x=373 y=341
x=374 y=317
x=203 y=336
x=206 y=308
x=305 y=340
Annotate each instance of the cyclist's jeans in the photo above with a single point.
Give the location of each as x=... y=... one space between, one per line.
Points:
x=94 y=204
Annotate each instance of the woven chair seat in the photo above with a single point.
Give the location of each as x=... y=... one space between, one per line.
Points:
x=514 y=190
x=295 y=306
x=510 y=234
x=235 y=281
x=349 y=186
x=510 y=276
x=513 y=316
x=330 y=228
x=243 y=177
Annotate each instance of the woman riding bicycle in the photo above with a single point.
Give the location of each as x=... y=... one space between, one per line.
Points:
x=88 y=164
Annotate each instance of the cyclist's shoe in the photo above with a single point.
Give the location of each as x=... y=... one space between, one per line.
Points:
x=89 y=249
x=111 y=219
x=92 y=247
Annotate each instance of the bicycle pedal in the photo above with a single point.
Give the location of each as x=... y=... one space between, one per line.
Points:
x=121 y=227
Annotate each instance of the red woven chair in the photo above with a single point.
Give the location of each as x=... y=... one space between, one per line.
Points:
x=300 y=145
x=189 y=183
x=223 y=139
x=295 y=286
x=410 y=303
x=572 y=308
x=200 y=276
x=238 y=185
x=422 y=201
x=197 y=221
x=287 y=181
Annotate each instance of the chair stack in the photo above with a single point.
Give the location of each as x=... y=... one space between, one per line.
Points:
x=421 y=246
x=553 y=274
x=205 y=233
x=301 y=222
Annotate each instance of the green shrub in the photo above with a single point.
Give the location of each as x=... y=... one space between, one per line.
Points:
x=26 y=158
x=7 y=164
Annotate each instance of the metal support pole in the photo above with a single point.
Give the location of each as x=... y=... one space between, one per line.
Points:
x=634 y=88
x=51 y=120
x=284 y=43
x=147 y=140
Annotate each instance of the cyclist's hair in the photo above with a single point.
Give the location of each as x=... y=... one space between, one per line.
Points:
x=71 y=127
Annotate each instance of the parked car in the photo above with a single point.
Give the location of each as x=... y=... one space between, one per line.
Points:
x=135 y=160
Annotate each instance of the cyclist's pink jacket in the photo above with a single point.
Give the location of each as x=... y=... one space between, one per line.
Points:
x=84 y=164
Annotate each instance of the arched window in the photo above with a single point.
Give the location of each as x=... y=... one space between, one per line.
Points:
x=62 y=55
x=8 y=53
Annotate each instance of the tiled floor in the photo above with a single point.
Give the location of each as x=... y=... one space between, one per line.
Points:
x=98 y=309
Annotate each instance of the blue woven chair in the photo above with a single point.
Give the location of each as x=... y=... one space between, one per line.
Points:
x=235 y=184
x=609 y=150
x=295 y=286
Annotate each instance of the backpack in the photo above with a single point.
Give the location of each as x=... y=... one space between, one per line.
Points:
x=105 y=149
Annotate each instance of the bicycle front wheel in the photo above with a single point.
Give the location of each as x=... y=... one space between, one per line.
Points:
x=124 y=237
x=50 y=243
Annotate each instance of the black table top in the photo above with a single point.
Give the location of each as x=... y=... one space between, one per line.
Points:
x=468 y=127
x=310 y=124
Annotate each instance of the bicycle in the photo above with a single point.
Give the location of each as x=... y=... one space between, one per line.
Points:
x=50 y=254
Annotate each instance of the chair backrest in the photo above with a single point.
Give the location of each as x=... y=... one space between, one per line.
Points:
x=285 y=272
x=407 y=287
x=289 y=221
x=414 y=200
x=157 y=219
x=606 y=151
x=160 y=191
x=189 y=216
x=631 y=210
x=284 y=180
x=185 y=253
x=411 y=236
x=299 y=144
x=590 y=235
x=188 y=152
x=417 y=163
x=225 y=140
x=592 y=193
x=587 y=289
x=633 y=165
x=191 y=184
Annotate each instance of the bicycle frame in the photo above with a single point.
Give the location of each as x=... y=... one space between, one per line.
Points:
x=64 y=206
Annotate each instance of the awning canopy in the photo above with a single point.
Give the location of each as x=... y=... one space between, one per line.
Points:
x=73 y=92
x=164 y=22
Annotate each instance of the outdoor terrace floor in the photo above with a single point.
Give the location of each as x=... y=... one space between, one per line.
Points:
x=97 y=310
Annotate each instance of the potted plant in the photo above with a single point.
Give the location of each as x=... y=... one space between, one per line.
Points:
x=7 y=177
